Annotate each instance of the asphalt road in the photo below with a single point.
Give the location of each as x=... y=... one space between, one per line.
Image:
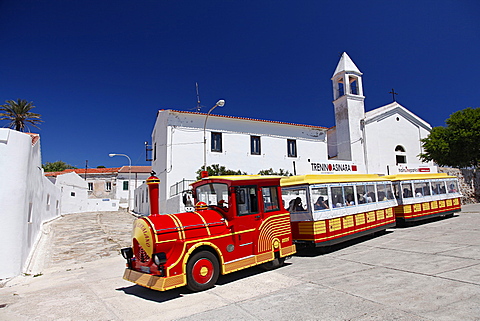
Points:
x=429 y=271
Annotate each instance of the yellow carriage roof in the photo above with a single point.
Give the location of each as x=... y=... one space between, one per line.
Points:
x=330 y=178
x=409 y=177
x=242 y=177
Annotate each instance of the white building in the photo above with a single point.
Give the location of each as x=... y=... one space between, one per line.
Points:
x=107 y=189
x=385 y=140
x=127 y=180
x=27 y=199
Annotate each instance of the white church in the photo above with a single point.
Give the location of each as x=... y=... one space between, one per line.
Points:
x=385 y=141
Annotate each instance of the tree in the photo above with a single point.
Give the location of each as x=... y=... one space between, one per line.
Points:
x=457 y=144
x=58 y=166
x=18 y=113
x=281 y=172
x=217 y=170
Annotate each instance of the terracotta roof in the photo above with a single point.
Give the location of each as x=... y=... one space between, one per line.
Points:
x=245 y=118
x=35 y=137
x=81 y=171
x=136 y=169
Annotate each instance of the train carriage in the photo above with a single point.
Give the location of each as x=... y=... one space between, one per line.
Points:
x=421 y=196
x=328 y=209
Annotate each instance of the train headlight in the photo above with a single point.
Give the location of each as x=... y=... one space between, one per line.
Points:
x=127 y=253
x=160 y=258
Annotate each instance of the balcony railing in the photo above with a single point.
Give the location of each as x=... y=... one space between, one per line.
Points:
x=180 y=187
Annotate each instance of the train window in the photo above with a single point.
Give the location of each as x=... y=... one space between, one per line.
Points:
x=320 y=196
x=349 y=195
x=438 y=187
x=213 y=194
x=382 y=192
x=371 y=195
x=295 y=200
x=418 y=186
x=270 y=199
x=361 y=194
x=390 y=195
x=407 y=189
x=452 y=186
x=396 y=190
x=247 y=200
x=337 y=197
x=426 y=189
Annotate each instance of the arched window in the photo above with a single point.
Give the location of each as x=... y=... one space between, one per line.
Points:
x=400 y=155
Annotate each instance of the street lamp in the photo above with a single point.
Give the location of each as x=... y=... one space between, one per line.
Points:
x=219 y=103
x=129 y=174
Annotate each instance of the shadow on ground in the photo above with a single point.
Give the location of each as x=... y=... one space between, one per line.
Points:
x=163 y=296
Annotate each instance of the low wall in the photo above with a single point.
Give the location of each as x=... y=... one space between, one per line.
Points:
x=469 y=183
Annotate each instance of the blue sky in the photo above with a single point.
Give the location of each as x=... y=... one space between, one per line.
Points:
x=98 y=71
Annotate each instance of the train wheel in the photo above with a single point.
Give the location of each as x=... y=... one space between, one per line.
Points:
x=278 y=262
x=202 y=271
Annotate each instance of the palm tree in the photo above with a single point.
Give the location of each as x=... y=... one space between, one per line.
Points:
x=18 y=114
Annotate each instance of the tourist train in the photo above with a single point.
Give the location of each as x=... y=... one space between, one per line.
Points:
x=247 y=220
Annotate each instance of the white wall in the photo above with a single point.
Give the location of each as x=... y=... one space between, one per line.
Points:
x=74 y=193
x=142 y=205
x=27 y=199
x=383 y=133
x=75 y=199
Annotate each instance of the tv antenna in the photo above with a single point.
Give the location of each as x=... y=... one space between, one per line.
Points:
x=199 y=106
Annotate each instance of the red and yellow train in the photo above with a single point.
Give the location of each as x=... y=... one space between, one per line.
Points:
x=242 y=221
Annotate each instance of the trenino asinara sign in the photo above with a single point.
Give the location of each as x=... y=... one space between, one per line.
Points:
x=333 y=167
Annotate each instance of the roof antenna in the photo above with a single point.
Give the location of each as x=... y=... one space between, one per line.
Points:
x=199 y=106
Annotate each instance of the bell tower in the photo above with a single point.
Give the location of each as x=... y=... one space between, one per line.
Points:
x=348 y=101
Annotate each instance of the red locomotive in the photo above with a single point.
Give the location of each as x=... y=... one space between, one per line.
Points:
x=238 y=222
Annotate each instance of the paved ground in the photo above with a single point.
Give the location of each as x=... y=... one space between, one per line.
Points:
x=429 y=271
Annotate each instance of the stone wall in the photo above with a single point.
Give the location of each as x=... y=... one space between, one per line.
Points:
x=469 y=182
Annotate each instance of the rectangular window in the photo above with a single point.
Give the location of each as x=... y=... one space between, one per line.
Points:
x=320 y=196
x=407 y=190
x=353 y=85
x=108 y=186
x=90 y=187
x=295 y=199
x=439 y=187
x=452 y=186
x=418 y=186
x=270 y=199
x=125 y=185
x=401 y=159
x=255 y=148
x=247 y=200
x=371 y=194
x=292 y=147
x=216 y=142
x=382 y=192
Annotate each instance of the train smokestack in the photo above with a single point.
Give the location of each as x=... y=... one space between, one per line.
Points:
x=153 y=183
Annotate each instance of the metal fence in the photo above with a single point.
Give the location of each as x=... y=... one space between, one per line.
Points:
x=180 y=187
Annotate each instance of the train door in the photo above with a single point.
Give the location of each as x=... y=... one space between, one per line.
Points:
x=247 y=221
